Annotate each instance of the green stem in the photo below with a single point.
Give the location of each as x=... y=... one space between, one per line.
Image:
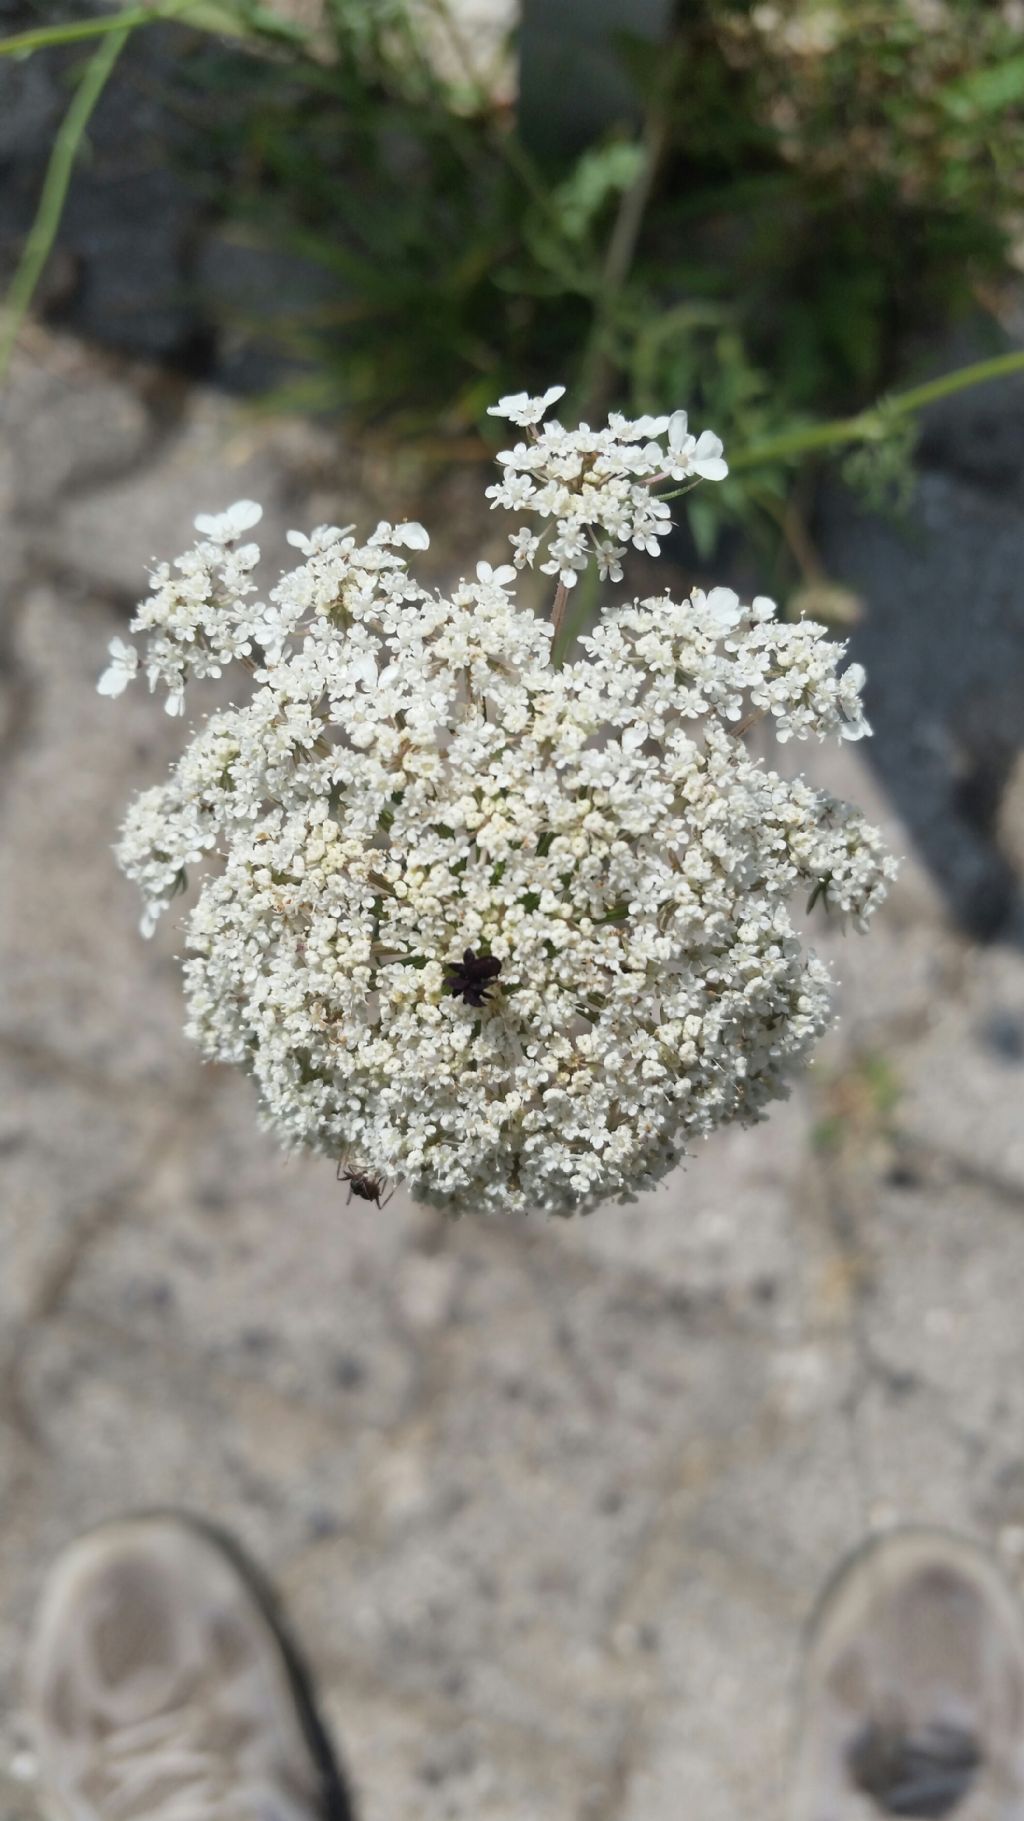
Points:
x=55 y=188
x=805 y=441
x=998 y=367
x=561 y=601
x=109 y=24
x=870 y=425
x=597 y=369
x=575 y=615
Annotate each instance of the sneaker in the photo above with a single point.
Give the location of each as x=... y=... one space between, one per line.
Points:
x=162 y=1686
x=914 y=1701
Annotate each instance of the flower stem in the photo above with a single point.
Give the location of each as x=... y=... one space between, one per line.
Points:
x=558 y=607
x=871 y=425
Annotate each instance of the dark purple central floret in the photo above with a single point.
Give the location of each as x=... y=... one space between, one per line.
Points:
x=472 y=978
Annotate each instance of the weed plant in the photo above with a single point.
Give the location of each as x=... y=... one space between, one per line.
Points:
x=800 y=187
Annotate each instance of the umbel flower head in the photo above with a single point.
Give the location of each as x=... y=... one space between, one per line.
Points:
x=513 y=933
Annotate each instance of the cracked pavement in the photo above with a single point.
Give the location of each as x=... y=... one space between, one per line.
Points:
x=550 y=1503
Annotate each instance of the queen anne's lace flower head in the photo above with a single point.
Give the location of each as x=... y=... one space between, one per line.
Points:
x=514 y=933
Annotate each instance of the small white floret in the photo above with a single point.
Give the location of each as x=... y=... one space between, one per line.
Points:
x=723 y=607
x=519 y=408
x=225 y=527
x=707 y=457
x=122 y=668
x=498 y=578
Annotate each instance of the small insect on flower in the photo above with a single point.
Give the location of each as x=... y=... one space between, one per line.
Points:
x=365 y=1185
x=472 y=978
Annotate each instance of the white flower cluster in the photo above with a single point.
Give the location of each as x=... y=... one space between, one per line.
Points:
x=511 y=933
x=594 y=486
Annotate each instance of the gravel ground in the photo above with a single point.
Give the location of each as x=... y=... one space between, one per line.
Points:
x=550 y=1503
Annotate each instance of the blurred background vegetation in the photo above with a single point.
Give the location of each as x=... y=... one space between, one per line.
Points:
x=781 y=205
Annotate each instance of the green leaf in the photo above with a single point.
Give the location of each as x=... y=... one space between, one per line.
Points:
x=985 y=91
x=601 y=173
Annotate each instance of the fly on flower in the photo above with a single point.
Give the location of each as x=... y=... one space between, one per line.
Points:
x=408 y=765
x=472 y=978
x=364 y=1184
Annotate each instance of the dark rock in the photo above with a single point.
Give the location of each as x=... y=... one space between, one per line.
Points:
x=943 y=642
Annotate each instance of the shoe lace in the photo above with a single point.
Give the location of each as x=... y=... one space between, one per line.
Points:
x=168 y=1768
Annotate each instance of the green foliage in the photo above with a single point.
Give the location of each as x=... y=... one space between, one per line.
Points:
x=578 y=204
x=805 y=182
x=827 y=176
x=881 y=471
x=51 y=203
